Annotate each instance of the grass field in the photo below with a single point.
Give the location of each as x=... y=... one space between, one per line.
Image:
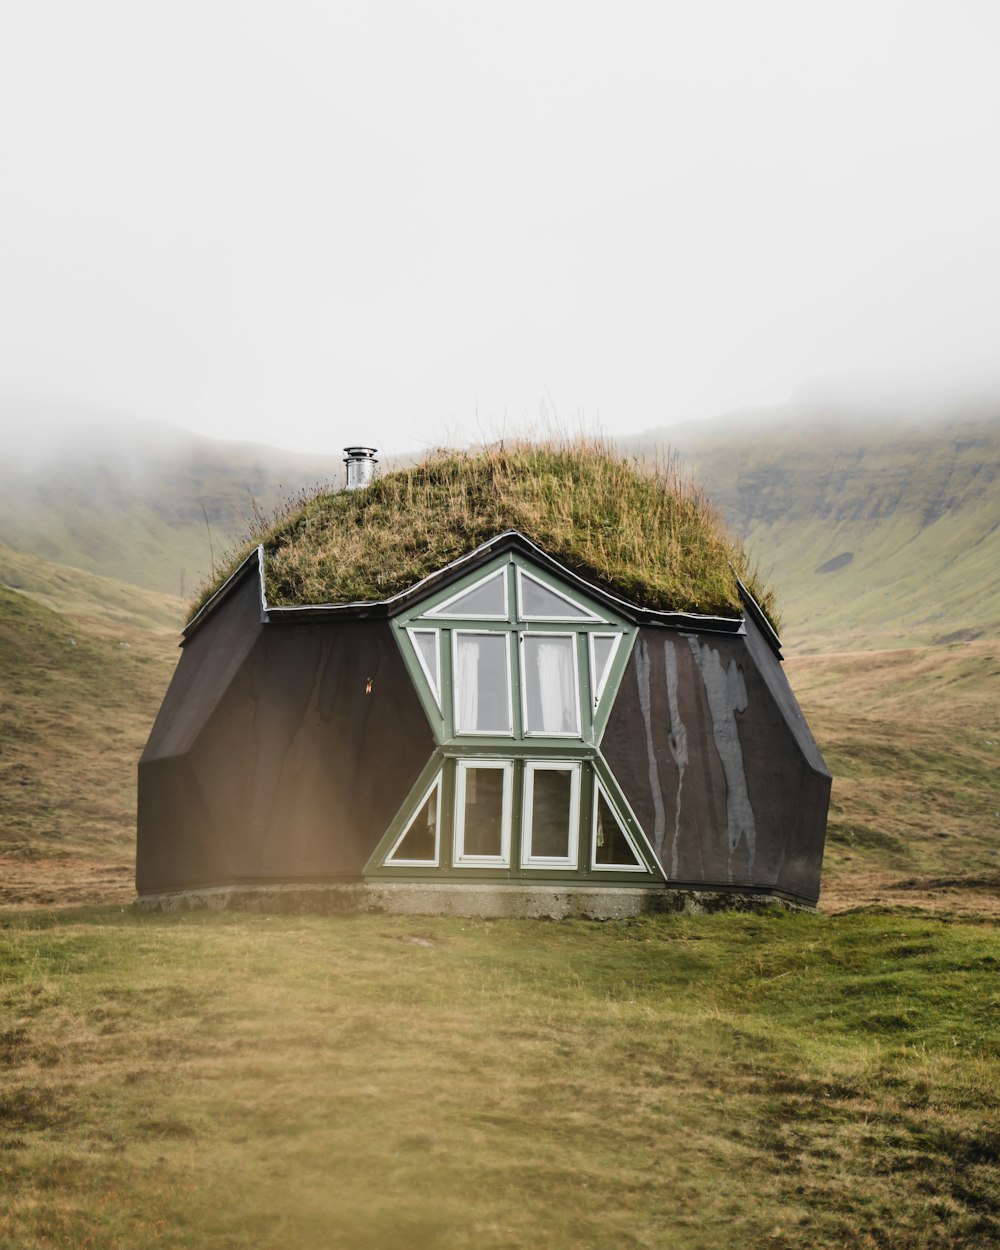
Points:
x=878 y=529
x=77 y=697
x=241 y=1081
x=912 y=737
x=246 y=1081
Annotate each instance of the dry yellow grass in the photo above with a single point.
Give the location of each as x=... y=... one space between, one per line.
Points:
x=642 y=528
x=291 y=1083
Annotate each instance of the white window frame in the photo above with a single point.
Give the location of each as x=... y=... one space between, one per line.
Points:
x=481 y=733
x=576 y=618
x=567 y=863
x=597 y=691
x=434 y=684
x=599 y=867
x=444 y=609
x=576 y=733
x=391 y=862
x=461 y=859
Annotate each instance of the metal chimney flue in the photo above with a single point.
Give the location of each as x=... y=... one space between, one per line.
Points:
x=361 y=464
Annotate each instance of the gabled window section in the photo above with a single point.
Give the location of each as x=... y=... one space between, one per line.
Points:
x=515 y=654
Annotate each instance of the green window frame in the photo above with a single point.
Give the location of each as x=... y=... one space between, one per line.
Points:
x=462 y=856
x=436 y=640
x=530 y=857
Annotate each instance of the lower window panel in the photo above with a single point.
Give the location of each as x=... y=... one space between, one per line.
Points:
x=550 y=822
x=483 y=813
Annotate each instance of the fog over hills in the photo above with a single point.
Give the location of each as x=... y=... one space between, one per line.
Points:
x=878 y=520
x=140 y=501
x=877 y=525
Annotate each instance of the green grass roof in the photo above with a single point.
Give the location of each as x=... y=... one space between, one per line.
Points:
x=641 y=530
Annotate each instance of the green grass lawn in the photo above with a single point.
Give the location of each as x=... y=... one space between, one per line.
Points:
x=251 y=1081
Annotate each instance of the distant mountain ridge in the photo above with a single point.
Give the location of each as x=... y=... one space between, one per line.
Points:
x=875 y=531
x=138 y=501
x=877 y=528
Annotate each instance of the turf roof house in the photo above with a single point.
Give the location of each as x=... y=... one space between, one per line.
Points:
x=505 y=735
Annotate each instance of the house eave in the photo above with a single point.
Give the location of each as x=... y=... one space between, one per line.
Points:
x=509 y=540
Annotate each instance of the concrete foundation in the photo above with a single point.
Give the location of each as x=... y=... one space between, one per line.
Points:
x=486 y=901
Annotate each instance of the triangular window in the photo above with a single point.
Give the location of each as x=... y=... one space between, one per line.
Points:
x=426 y=645
x=613 y=845
x=485 y=601
x=602 y=652
x=417 y=845
x=539 y=602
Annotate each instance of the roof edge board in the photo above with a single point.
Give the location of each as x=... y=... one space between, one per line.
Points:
x=756 y=612
x=255 y=560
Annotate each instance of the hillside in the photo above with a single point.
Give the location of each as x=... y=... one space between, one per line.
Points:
x=77 y=697
x=72 y=591
x=137 y=501
x=877 y=529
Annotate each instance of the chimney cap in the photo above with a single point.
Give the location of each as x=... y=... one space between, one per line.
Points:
x=361 y=464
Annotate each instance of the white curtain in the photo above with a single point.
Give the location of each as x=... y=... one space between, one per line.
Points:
x=467 y=679
x=554 y=661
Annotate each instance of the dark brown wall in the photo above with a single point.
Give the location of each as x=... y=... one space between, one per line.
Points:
x=269 y=761
x=712 y=751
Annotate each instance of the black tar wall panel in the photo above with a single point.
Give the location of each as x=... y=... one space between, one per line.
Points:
x=713 y=753
x=271 y=760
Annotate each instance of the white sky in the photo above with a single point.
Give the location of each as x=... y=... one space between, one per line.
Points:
x=314 y=223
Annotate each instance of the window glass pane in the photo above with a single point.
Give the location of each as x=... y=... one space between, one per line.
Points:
x=489 y=598
x=611 y=847
x=551 y=813
x=482 y=684
x=483 y=811
x=604 y=646
x=426 y=643
x=420 y=840
x=550 y=684
x=538 y=601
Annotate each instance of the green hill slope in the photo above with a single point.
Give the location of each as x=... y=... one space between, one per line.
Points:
x=876 y=530
x=137 y=501
x=77 y=697
x=73 y=591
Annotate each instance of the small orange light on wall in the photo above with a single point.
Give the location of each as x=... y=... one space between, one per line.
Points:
x=368 y=685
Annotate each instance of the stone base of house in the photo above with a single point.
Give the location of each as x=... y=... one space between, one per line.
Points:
x=503 y=900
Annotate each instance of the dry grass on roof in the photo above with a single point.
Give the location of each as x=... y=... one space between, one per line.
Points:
x=642 y=529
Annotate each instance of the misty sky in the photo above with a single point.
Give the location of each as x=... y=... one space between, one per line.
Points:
x=314 y=223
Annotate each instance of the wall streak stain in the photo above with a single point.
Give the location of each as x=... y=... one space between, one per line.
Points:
x=645 y=707
x=727 y=694
x=677 y=741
